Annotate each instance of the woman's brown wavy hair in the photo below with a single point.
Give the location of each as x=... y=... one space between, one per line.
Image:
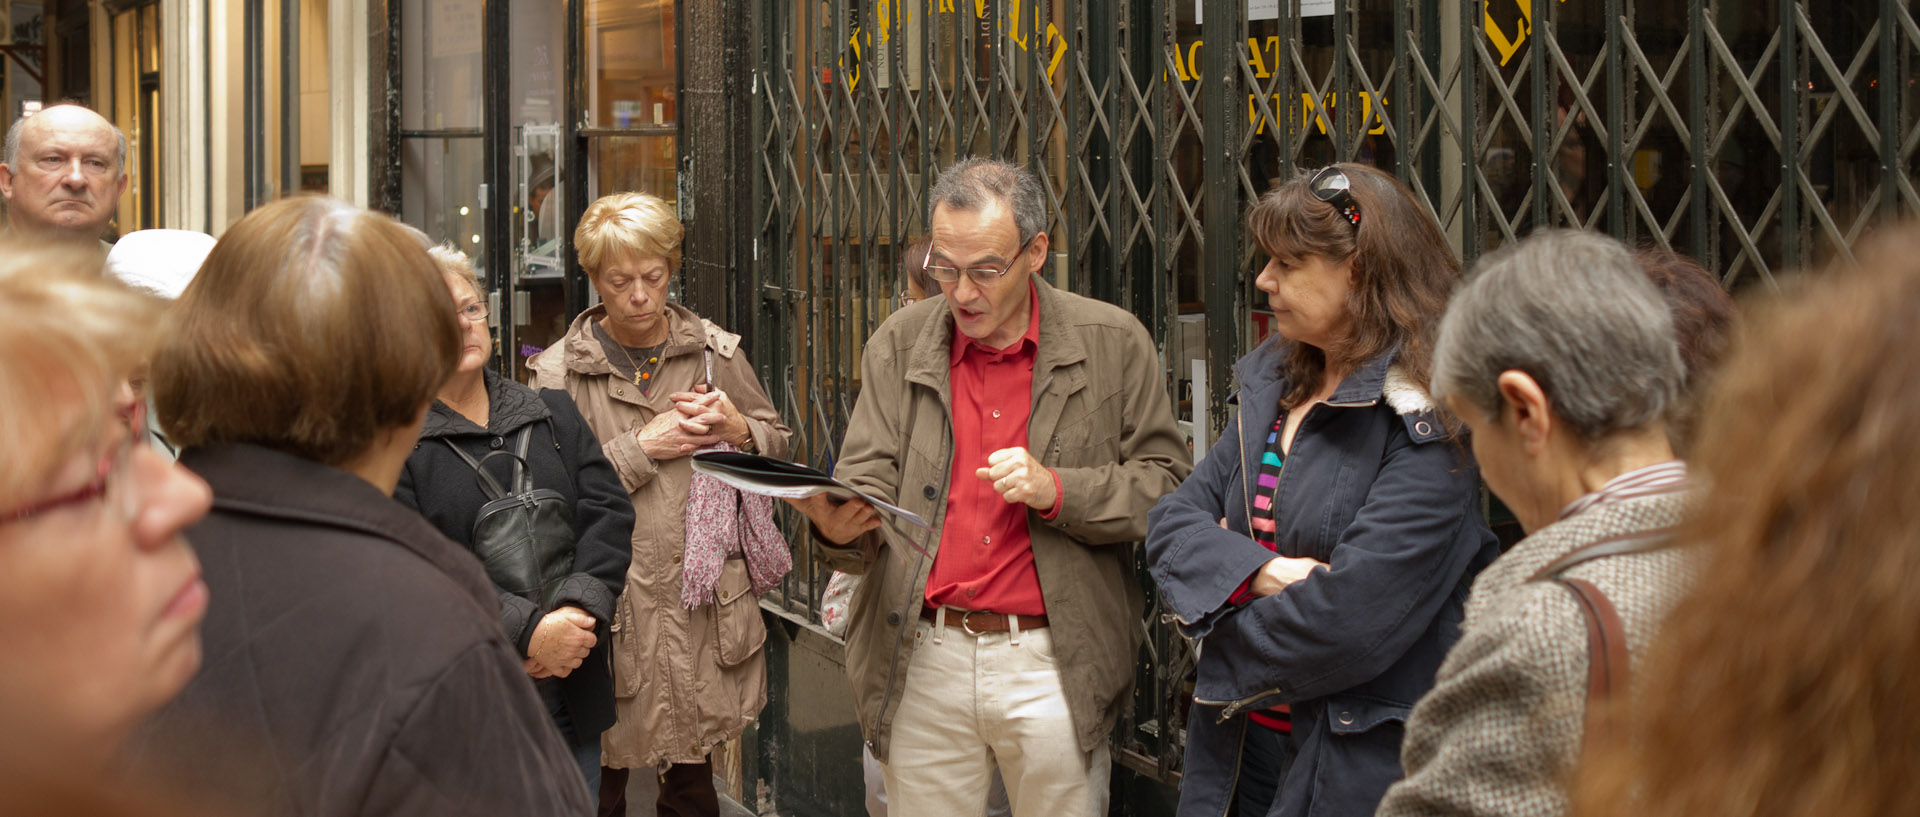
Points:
x=1403 y=271
x=1789 y=682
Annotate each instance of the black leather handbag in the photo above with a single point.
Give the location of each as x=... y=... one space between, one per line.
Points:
x=524 y=537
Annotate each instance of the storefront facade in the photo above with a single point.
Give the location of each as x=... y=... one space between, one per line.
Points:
x=798 y=139
x=1759 y=137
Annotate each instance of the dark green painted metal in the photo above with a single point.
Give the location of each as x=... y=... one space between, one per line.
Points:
x=1700 y=164
x=1469 y=144
x=1890 y=107
x=1789 y=118
x=1543 y=80
x=1222 y=27
x=1401 y=84
x=1619 y=165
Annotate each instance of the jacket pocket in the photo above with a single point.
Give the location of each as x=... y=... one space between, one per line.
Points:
x=737 y=615
x=625 y=655
x=1364 y=743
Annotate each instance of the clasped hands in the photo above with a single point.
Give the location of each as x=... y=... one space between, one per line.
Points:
x=1279 y=572
x=1014 y=472
x=699 y=418
x=560 y=643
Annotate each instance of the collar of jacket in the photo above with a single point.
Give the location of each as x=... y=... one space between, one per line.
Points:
x=509 y=406
x=687 y=333
x=257 y=481
x=1375 y=379
x=1059 y=346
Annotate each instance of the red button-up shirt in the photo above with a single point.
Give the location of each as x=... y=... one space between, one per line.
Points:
x=985 y=561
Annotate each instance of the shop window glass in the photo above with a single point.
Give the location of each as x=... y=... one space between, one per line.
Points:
x=440 y=70
x=440 y=180
x=630 y=63
x=643 y=164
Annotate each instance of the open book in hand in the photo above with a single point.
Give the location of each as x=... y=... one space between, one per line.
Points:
x=767 y=476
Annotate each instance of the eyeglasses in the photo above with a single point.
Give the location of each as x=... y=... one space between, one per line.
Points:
x=1332 y=186
x=475 y=312
x=111 y=480
x=907 y=299
x=980 y=275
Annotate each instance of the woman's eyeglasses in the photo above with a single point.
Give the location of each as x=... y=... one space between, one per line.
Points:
x=1332 y=186
x=474 y=312
x=111 y=481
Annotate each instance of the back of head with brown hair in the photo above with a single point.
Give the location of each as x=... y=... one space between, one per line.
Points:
x=70 y=334
x=1704 y=318
x=913 y=267
x=313 y=327
x=1403 y=270
x=1785 y=684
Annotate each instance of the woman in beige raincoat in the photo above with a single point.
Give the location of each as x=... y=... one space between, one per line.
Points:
x=656 y=382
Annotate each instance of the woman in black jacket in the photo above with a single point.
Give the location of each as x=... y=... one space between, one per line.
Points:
x=353 y=663
x=1323 y=550
x=560 y=626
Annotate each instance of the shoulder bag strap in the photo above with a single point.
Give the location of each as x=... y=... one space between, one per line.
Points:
x=488 y=485
x=1640 y=541
x=1607 y=665
x=1608 y=670
x=522 y=475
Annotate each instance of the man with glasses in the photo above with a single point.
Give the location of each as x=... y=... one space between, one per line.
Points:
x=1031 y=428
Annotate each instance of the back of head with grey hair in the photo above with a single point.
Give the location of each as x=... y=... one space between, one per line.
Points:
x=972 y=182
x=1574 y=311
x=10 y=152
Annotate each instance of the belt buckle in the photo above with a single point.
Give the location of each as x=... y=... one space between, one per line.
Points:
x=967 y=626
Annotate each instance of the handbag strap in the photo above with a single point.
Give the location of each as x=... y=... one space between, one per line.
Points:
x=522 y=475
x=522 y=480
x=1608 y=668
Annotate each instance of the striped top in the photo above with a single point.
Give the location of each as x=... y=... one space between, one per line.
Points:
x=1267 y=483
x=1659 y=478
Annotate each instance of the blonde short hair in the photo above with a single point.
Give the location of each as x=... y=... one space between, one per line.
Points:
x=71 y=334
x=624 y=225
x=314 y=327
x=455 y=264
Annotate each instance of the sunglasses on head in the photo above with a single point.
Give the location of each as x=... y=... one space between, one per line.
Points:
x=1332 y=186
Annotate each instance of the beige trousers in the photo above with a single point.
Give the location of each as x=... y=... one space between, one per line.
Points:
x=974 y=702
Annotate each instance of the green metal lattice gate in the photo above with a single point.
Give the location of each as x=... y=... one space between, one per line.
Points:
x=1758 y=137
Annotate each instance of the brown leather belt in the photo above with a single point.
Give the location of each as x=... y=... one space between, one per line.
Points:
x=976 y=622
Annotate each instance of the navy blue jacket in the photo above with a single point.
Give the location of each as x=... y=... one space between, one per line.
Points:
x=1374 y=487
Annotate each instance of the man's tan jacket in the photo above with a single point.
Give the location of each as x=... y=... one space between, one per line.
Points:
x=1101 y=419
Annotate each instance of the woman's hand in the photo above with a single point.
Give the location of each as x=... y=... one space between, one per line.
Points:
x=1280 y=571
x=715 y=413
x=561 y=642
x=674 y=434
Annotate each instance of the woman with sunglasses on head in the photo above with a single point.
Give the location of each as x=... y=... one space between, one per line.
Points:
x=1323 y=550
x=557 y=583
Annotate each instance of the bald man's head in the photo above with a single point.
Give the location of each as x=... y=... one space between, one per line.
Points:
x=64 y=170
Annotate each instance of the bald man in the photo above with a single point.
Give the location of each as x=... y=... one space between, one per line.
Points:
x=62 y=173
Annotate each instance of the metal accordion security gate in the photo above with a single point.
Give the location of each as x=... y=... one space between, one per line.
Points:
x=1758 y=137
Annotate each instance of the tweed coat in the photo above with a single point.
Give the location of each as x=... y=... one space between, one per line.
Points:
x=1502 y=727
